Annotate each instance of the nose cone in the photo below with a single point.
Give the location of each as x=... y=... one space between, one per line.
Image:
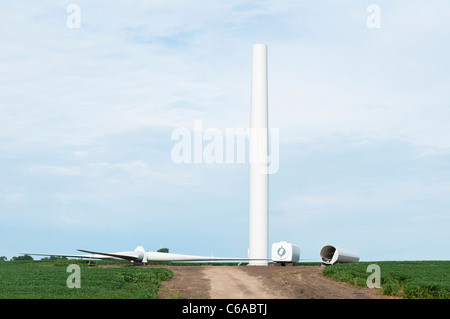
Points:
x=142 y=254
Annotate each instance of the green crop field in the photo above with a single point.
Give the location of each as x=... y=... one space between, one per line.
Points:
x=48 y=280
x=406 y=279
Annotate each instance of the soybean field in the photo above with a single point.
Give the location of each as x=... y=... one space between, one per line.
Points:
x=406 y=279
x=61 y=280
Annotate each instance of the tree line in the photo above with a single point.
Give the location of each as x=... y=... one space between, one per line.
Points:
x=28 y=257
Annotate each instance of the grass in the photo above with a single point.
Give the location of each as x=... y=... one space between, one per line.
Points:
x=48 y=280
x=406 y=279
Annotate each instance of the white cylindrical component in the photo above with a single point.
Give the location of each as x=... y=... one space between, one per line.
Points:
x=160 y=256
x=331 y=255
x=285 y=252
x=258 y=157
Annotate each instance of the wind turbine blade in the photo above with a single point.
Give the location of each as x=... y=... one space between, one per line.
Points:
x=158 y=256
x=127 y=255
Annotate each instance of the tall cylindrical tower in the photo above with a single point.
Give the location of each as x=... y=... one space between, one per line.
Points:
x=258 y=157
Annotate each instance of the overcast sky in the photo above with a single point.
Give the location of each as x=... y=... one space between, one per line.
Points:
x=91 y=91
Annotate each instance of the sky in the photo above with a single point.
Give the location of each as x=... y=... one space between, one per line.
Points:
x=92 y=91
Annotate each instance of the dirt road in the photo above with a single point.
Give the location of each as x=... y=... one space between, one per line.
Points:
x=243 y=282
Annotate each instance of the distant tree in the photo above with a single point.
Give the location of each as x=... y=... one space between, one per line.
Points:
x=3 y=258
x=53 y=258
x=24 y=257
x=163 y=250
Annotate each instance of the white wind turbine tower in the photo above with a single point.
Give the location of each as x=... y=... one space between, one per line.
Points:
x=258 y=157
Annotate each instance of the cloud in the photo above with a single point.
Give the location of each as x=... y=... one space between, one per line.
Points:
x=13 y=193
x=93 y=169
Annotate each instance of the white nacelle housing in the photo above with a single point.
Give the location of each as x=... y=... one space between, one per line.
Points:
x=331 y=255
x=285 y=252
